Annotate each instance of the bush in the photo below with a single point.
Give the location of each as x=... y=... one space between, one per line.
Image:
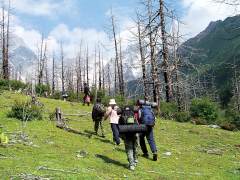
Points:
x=56 y=95
x=26 y=111
x=232 y=119
x=204 y=109
x=13 y=84
x=41 y=89
x=168 y=110
x=182 y=117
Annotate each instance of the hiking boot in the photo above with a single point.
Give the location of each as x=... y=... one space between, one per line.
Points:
x=145 y=155
x=132 y=168
x=155 y=157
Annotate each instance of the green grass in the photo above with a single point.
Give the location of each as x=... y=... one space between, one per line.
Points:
x=57 y=149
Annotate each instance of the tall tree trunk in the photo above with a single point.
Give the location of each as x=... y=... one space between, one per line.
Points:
x=121 y=67
x=143 y=61
x=109 y=80
x=99 y=71
x=103 y=74
x=116 y=55
x=62 y=75
x=154 y=67
x=167 y=73
x=53 y=74
x=87 y=61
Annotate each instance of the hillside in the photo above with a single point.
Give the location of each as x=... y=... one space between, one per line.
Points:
x=216 y=49
x=197 y=152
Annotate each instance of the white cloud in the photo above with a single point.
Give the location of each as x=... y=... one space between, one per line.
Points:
x=201 y=12
x=43 y=7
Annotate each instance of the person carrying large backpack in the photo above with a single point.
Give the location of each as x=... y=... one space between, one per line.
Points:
x=147 y=117
x=98 y=112
x=129 y=138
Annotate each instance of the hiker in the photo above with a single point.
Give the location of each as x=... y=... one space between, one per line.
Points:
x=113 y=114
x=97 y=116
x=86 y=98
x=129 y=138
x=147 y=117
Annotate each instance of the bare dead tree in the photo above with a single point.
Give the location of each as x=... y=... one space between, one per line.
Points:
x=121 y=66
x=53 y=73
x=117 y=68
x=5 y=41
x=165 y=53
x=62 y=68
x=87 y=66
x=103 y=74
x=142 y=56
x=152 y=31
x=41 y=61
x=109 y=79
x=99 y=70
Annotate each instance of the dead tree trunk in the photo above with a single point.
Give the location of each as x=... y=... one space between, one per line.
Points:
x=5 y=44
x=87 y=68
x=121 y=67
x=167 y=74
x=53 y=74
x=154 y=67
x=99 y=71
x=62 y=72
x=117 y=56
x=143 y=61
x=103 y=75
x=109 y=81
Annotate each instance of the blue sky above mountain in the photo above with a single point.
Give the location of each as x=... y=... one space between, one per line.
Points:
x=71 y=21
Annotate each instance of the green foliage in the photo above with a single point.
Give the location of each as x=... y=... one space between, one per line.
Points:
x=26 y=111
x=168 y=110
x=225 y=96
x=41 y=89
x=204 y=109
x=182 y=117
x=232 y=119
x=13 y=84
x=56 y=95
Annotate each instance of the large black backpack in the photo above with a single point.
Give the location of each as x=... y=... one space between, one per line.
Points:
x=127 y=123
x=98 y=110
x=127 y=116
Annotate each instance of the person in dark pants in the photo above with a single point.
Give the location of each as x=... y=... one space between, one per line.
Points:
x=147 y=117
x=97 y=116
x=112 y=114
x=86 y=98
x=150 y=138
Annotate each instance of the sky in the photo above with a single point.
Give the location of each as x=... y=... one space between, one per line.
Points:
x=73 y=21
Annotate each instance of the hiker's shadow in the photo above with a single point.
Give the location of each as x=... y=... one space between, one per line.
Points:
x=91 y=133
x=110 y=161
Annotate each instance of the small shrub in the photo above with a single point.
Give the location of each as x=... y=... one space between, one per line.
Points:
x=26 y=111
x=168 y=110
x=13 y=84
x=204 y=109
x=182 y=117
x=41 y=89
x=232 y=119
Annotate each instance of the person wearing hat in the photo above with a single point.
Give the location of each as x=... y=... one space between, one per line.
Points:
x=112 y=114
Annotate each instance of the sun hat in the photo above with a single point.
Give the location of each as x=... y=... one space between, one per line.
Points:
x=112 y=102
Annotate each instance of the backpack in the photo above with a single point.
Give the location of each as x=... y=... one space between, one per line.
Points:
x=127 y=116
x=99 y=110
x=147 y=116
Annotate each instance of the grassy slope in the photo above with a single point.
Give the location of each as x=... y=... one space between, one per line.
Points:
x=57 y=149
